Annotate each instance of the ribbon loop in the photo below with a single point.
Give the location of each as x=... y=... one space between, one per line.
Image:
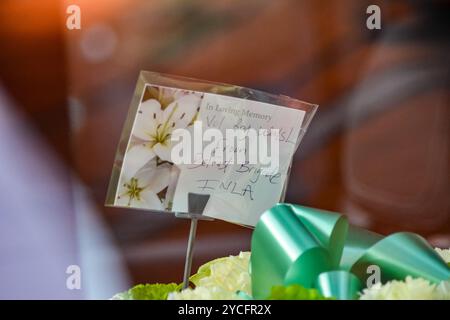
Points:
x=284 y=252
x=330 y=229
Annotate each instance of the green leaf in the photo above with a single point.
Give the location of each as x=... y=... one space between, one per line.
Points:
x=295 y=292
x=156 y=291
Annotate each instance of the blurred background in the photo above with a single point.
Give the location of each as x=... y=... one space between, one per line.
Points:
x=377 y=150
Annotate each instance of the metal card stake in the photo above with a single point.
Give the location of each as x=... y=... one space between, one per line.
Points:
x=196 y=205
x=189 y=253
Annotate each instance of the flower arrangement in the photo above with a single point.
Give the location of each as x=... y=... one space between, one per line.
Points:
x=228 y=278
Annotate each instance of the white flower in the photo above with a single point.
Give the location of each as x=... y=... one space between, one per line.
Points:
x=230 y=273
x=154 y=125
x=410 y=289
x=168 y=201
x=140 y=190
x=443 y=291
x=219 y=279
x=204 y=293
x=444 y=253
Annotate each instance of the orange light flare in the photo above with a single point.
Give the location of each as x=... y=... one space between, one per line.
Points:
x=31 y=17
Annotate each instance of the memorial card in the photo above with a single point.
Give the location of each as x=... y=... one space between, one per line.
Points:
x=214 y=152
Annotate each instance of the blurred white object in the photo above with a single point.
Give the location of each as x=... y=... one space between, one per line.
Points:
x=47 y=222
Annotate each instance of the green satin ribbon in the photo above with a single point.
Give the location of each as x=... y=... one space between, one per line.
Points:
x=292 y=244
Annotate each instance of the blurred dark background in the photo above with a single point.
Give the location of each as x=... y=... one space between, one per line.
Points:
x=377 y=150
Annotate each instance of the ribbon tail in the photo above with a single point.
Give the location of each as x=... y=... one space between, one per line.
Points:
x=339 y=284
x=402 y=254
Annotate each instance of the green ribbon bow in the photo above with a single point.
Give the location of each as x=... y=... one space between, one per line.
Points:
x=292 y=244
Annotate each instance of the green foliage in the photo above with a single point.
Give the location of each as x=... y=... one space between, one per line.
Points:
x=295 y=292
x=156 y=291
